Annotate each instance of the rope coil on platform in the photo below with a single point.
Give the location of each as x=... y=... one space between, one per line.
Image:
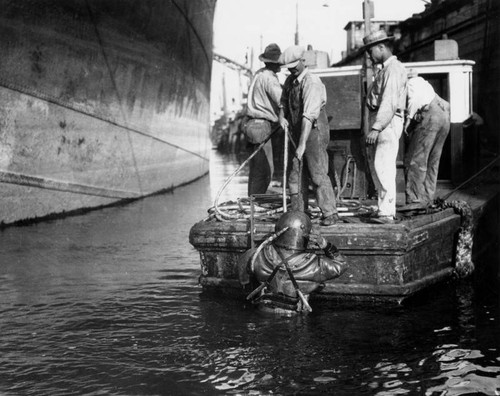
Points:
x=241 y=209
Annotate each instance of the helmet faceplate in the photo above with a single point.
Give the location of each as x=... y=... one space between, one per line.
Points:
x=297 y=236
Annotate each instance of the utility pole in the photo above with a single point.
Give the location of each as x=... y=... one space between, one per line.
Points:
x=368 y=13
x=367 y=67
x=368 y=10
x=297 y=22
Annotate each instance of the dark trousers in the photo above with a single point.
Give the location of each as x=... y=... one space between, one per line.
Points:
x=424 y=151
x=262 y=166
x=315 y=167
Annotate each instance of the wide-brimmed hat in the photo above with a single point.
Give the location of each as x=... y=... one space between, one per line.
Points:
x=291 y=56
x=271 y=54
x=374 y=38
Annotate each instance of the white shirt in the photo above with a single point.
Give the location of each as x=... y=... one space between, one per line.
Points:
x=420 y=93
x=264 y=95
x=387 y=94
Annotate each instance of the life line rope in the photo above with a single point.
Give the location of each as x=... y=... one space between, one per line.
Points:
x=243 y=208
x=226 y=215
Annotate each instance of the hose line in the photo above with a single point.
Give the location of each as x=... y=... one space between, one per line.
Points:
x=227 y=216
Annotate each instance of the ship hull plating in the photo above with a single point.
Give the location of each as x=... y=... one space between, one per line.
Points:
x=101 y=101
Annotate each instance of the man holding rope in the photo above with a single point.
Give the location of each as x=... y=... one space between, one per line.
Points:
x=302 y=111
x=262 y=119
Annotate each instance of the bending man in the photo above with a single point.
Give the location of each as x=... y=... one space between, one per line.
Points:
x=427 y=126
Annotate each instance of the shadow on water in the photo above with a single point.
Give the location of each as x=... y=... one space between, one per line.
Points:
x=108 y=304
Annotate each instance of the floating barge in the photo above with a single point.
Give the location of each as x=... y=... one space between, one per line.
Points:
x=387 y=262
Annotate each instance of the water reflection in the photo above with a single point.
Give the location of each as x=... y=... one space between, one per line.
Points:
x=108 y=303
x=222 y=166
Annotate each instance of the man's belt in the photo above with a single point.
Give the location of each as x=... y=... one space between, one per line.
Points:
x=399 y=112
x=258 y=119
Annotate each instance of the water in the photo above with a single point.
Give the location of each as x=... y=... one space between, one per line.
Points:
x=108 y=304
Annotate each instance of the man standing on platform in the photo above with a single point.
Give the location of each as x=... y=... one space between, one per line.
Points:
x=262 y=110
x=386 y=101
x=302 y=110
x=427 y=126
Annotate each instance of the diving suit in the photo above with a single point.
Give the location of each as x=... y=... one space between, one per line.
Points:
x=286 y=270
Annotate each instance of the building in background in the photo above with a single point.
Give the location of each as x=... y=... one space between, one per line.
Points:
x=229 y=90
x=355 y=31
x=473 y=26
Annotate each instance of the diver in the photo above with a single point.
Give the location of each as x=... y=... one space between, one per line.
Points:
x=287 y=272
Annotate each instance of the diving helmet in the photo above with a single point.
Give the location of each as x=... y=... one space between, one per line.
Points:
x=299 y=226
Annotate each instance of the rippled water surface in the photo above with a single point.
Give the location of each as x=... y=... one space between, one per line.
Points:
x=107 y=303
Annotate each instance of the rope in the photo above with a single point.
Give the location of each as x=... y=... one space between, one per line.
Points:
x=230 y=211
x=470 y=179
x=349 y=159
x=354 y=180
x=285 y=166
x=224 y=216
x=268 y=240
x=463 y=253
x=263 y=212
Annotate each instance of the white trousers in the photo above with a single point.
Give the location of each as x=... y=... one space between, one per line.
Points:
x=381 y=158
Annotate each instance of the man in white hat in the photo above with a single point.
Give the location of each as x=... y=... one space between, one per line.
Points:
x=302 y=110
x=427 y=126
x=262 y=110
x=386 y=101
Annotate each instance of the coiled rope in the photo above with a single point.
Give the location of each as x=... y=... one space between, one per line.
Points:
x=240 y=213
x=243 y=209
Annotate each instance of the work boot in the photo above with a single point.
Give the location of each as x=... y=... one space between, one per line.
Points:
x=330 y=220
x=384 y=220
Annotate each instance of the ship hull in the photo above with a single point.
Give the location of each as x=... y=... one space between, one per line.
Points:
x=101 y=101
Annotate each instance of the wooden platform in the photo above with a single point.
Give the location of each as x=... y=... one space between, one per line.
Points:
x=388 y=262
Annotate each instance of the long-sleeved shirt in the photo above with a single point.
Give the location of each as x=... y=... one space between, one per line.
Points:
x=264 y=96
x=387 y=94
x=303 y=96
x=420 y=93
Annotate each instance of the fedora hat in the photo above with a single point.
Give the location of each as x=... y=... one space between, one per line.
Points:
x=271 y=54
x=374 y=38
x=291 y=56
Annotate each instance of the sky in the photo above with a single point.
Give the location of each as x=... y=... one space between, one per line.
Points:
x=243 y=25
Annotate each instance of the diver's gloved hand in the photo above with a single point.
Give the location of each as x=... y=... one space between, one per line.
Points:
x=315 y=237
x=331 y=250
